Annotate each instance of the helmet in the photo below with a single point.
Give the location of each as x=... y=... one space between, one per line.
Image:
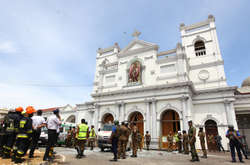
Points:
x=19 y=109
x=116 y=122
x=30 y=110
x=11 y=110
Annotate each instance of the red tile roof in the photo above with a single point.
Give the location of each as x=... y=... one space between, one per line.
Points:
x=50 y=109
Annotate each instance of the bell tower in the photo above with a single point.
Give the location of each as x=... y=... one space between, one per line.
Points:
x=206 y=66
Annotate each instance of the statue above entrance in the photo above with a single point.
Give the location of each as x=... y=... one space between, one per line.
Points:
x=134 y=74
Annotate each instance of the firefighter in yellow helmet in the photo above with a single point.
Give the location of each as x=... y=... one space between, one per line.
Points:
x=24 y=134
x=82 y=136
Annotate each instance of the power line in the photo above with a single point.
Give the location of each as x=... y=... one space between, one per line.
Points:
x=51 y=85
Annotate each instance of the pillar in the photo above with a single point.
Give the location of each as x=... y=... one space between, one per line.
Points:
x=122 y=111
x=154 y=118
x=184 y=113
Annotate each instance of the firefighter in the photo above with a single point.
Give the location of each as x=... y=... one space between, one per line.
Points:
x=2 y=137
x=11 y=124
x=24 y=134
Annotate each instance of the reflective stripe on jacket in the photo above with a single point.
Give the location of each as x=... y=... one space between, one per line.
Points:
x=92 y=133
x=83 y=129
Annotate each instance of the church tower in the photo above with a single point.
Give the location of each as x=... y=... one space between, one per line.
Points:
x=206 y=66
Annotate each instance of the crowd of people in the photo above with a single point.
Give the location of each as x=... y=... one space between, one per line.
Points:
x=20 y=131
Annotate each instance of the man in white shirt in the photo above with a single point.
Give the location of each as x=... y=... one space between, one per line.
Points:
x=53 y=123
x=37 y=123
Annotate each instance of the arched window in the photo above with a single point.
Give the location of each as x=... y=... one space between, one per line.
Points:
x=199 y=48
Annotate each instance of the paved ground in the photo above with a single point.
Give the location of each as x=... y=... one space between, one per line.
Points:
x=66 y=156
x=144 y=158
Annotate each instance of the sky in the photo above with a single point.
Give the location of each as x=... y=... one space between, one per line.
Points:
x=48 y=47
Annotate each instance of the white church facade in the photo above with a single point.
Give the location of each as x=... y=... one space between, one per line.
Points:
x=162 y=91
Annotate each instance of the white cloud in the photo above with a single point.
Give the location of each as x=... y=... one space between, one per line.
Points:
x=7 y=47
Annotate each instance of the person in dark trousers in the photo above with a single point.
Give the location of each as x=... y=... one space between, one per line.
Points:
x=53 y=123
x=2 y=137
x=114 y=139
x=38 y=122
x=234 y=143
x=11 y=121
x=218 y=143
x=243 y=144
x=24 y=135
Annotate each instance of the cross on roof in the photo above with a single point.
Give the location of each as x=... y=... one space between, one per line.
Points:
x=136 y=34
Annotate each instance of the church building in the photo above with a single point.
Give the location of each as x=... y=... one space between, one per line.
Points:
x=162 y=91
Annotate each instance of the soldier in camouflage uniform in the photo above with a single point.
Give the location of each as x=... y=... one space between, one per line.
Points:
x=128 y=135
x=192 y=140
x=135 y=140
x=202 y=135
x=185 y=142
x=123 y=138
x=170 y=142
x=140 y=141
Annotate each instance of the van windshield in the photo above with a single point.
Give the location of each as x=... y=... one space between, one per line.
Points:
x=107 y=128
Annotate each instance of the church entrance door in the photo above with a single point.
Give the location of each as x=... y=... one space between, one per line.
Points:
x=107 y=118
x=137 y=118
x=170 y=122
x=211 y=131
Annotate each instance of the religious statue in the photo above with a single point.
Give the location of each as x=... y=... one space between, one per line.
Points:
x=134 y=72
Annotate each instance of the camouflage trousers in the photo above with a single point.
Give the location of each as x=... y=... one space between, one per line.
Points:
x=122 y=148
x=135 y=147
x=185 y=147
x=170 y=146
x=193 y=151
x=92 y=143
x=203 y=147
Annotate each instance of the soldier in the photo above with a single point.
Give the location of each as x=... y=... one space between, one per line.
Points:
x=24 y=134
x=140 y=141
x=73 y=137
x=129 y=133
x=233 y=137
x=211 y=142
x=82 y=136
x=179 y=143
x=148 y=139
x=202 y=135
x=123 y=138
x=185 y=142
x=192 y=140
x=92 y=137
x=170 y=141
x=243 y=145
x=69 y=137
x=218 y=143
x=114 y=139
x=135 y=140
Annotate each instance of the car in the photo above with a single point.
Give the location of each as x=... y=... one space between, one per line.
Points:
x=103 y=138
x=43 y=139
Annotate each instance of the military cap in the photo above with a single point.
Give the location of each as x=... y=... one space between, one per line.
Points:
x=116 y=122
x=190 y=121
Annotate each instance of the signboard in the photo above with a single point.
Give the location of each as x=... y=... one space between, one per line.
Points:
x=164 y=139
